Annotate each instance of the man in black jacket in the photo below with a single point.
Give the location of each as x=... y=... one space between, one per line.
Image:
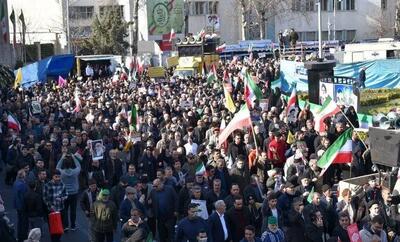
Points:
x=295 y=222
x=33 y=207
x=341 y=229
x=219 y=224
x=164 y=202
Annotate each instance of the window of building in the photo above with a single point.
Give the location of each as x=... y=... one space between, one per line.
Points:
x=310 y=5
x=296 y=5
x=350 y=35
x=104 y=9
x=198 y=8
x=339 y=4
x=81 y=12
x=212 y=7
x=324 y=5
x=325 y=35
x=350 y=4
x=339 y=35
x=383 y=4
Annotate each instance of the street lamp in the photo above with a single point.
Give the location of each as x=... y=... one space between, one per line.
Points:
x=334 y=17
x=319 y=30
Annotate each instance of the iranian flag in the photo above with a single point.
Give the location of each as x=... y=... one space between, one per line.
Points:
x=227 y=82
x=224 y=145
x=329 y=108
x=3 y=19
x=12 y=123
x=220 y=48
x=200 y=169
x=292 y=99
x=212 y=75
x=339 y=152
x=239 y=121
x=251 y=91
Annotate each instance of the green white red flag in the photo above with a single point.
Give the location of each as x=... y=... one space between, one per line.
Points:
x=339 y=152
x=212 y=75
x=240 y=120
x=329 y=108
x=251 y=91
x=12 y=123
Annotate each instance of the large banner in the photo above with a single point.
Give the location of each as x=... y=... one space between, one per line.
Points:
x=343 y=95
x=164 y=15
x=212 y=23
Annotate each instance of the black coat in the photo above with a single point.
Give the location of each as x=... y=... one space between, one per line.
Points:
x=296 y=227
x=341 y=233
x=216 y=232
x=313 y=233
x=239 y=220
x=33 y=205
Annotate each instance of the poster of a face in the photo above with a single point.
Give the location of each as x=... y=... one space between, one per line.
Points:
x=97 y=149
x=325 y=90
x=344 y=95
x=292 y=114
x=36 y=107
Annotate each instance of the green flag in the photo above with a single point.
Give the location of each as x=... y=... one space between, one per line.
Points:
x=134 y=117
x=310 y=195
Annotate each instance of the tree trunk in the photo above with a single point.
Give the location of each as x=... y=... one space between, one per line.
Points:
x=135 y=28
x=243 y=19
x=262 y=26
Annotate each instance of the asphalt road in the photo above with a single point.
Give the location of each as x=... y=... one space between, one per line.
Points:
x=79 y=235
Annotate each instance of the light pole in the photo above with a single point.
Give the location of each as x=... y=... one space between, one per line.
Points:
x=68 y=34
x=319 y=30
x=334 y=17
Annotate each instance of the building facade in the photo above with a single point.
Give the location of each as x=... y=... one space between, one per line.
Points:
x=6 y=52
x=345 y=20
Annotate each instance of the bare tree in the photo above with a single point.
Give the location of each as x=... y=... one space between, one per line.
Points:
x=382 y=27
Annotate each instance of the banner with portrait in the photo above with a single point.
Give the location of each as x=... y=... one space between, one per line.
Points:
x=343 y=95
x=164 y=15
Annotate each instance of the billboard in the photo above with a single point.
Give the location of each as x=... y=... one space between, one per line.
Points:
x=164 y=15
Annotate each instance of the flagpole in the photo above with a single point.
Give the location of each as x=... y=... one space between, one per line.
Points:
x=254 y=136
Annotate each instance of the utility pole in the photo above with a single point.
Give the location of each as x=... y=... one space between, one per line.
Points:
x=68 y=33
x=319 y=30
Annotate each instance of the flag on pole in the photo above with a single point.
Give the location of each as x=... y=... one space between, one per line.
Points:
x=339 y=152
x=310 y=195
x=61 y=81
x=172 y=35
x=18 y=78
x=201 y=34
x=204 y=70
x=3 y=19
x=227 y=82
x=78 y=103
x=200 y=169
x=329 y=108
x=13 y=21
x=290 y=138
x=222 y=126
x=240 y=120
x=22 y=19
x=292 y=99
x=133 y=116
x=251 y=91
x=212 y=75
x=220 y=48
x=12 y=122
x=229 y=104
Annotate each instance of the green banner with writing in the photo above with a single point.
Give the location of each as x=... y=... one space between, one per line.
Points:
x=164 y=15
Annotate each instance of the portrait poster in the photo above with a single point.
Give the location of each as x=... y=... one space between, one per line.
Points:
x=97 y=149
x=36 y=107
x=325 y=90
x=202 y=208
x=343 y=95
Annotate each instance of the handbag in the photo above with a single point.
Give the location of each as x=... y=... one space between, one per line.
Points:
x=55 y=223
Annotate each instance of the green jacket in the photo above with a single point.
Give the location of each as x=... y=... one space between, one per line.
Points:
x=105 y=216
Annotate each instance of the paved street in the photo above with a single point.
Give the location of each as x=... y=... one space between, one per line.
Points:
x=80 y=235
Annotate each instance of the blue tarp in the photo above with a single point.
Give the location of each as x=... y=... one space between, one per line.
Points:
x=51 y=67
x=379 y=73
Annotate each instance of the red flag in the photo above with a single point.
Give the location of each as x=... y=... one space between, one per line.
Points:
x=354 y=234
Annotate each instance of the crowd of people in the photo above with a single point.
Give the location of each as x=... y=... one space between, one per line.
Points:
x=88 y=149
